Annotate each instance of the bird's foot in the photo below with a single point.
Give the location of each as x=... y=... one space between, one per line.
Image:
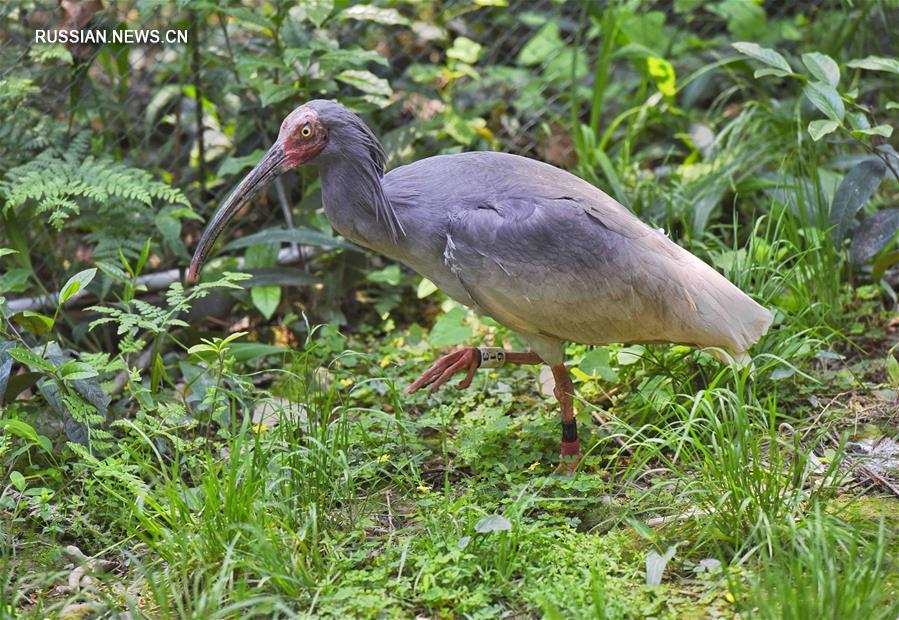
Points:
x=467 y=359
x=569 y=457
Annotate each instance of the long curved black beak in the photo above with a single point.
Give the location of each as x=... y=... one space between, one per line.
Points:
x=270 y=166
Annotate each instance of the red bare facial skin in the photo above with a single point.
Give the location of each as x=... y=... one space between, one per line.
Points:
x=302 y=136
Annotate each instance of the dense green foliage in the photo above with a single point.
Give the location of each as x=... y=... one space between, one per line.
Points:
x=243 y=447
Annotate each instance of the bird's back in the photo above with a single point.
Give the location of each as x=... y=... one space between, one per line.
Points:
x=546 y=253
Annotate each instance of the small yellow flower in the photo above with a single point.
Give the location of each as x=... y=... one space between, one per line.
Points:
x=259 y=428
x=423 y=488
x=533 y=465
x=729 y=597
x=385 y=361
x=347 y=382
x=383 y=458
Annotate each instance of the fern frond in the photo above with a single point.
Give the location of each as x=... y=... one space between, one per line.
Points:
x=57 y=183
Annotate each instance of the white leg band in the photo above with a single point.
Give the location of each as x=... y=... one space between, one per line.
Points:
x=491 y=357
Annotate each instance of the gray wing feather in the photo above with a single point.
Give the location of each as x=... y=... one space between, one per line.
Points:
x=549 y=255
x=547 y=266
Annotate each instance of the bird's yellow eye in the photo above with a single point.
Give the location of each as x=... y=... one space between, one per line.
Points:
x=306 y=131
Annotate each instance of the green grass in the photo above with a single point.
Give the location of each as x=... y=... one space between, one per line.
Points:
x=341 y=509
x=304 y=484
x=826 y=570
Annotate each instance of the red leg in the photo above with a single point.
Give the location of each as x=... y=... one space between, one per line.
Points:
x=570 y=454
x=467 y=359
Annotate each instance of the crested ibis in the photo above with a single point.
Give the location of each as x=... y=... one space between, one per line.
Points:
x=536 y=248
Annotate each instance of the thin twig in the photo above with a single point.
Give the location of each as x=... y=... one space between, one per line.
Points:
x=879 y=480
x=695 y=512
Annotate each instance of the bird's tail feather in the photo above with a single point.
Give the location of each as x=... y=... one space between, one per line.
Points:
x=732 y=320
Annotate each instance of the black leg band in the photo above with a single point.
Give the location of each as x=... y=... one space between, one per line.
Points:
x=569 y=431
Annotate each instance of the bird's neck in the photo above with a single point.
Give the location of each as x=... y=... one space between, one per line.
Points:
x=356 y=205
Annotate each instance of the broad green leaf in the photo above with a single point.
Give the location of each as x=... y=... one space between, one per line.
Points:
x=286 y=275
x=76 y=431
x=642 y=529
x=199 y=349
x=764 y=71
x=745 y=19
x=545 y=44
x=425 y=288
x=629 y=355
x=893 y=370
x=878 y=267
x=820 y=128
x=366 y=81
x=266 y=299
x=369 y=13
x=493 y=523
x=853 y=192
x=822 y=67
x=14 y=280
x=876 y=63
x=75 y=371
x=88 y=389
x=7 y=251
x=35 y=322
x=387 y=275
x=248 y=352
x=170 y=229
x=332 y=61
x=879 y=130
x=763 y=54
x=17 y=383
x=315 y=11
x=249 y=17
x=858 y=120
x=18 y=480
x=596 y=363
x=873 y=235
x=227 y=340
x=464 y=50
x=30 y=359
x=302 y=235
x=27 y=432
x=450 y=329
x=645 y=29
x=76 y=283
x=233 y=165
x=423 y=74
x=826 y=99
x=260 y=255
x=459 y=128
x=662 y=74
x=271 y=92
